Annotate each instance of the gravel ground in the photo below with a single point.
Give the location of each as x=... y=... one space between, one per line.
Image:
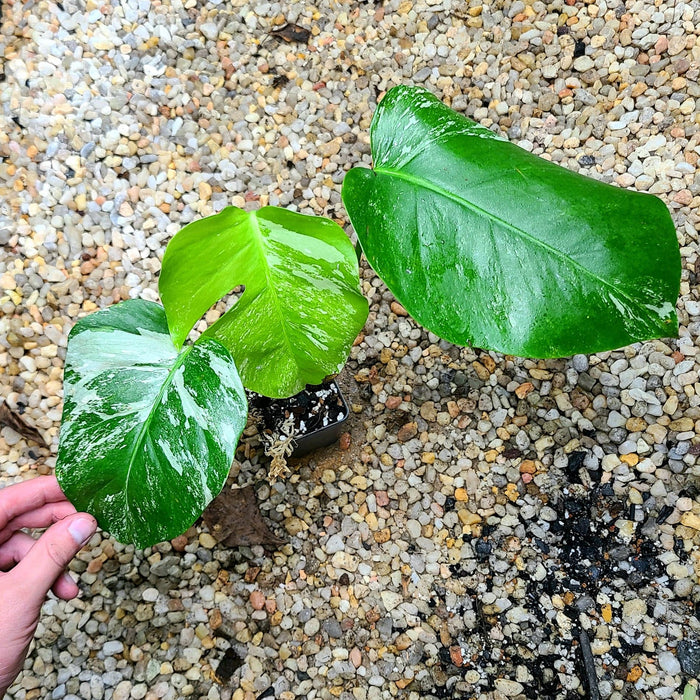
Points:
x=498 y=527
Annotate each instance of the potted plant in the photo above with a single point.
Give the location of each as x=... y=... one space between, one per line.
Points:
x=150 y=423
x=482 y=242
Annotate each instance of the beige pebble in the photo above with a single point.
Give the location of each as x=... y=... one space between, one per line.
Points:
x=691 y=520
x=207 y=541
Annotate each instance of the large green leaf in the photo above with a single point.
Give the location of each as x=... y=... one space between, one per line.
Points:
x=148 y=432
x=301 y=309
x=488 y=245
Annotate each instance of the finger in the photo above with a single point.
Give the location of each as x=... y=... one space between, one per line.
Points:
x=41 y=517
x=28 y=496
x=65 y=587
x=48 y=558
x=16 y=549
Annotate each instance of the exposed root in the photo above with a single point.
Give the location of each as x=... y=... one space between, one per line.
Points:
x=279 y=446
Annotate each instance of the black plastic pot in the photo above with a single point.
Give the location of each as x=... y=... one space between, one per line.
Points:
x=320 y=413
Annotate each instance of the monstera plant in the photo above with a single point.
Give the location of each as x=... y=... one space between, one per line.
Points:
x=150 y=424
x=482 y=242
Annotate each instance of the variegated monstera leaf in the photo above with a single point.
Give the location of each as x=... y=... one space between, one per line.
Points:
x=149 y=432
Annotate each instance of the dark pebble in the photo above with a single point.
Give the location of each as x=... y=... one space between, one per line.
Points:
x=332 y=629
x=421 y=393
x=585 y=381
x=688 y=653
x=483 y=549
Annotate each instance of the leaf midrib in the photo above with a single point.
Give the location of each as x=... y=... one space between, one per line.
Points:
x=255 y=225
x=425 y=184
x=147 y=423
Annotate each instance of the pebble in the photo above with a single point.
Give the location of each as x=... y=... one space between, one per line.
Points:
x=583 y=63
x=688 y=654
x=669 y=663
x=634 y=610
x=391 y=600
x=112 y=648
x=257 y=600
x=509 y=688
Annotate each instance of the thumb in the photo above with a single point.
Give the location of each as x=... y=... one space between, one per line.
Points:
x=53 y=551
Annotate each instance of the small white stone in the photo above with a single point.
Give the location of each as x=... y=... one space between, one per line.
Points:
x=583 y=63
x=210 y=30
x=150 y=595
x=391 y=599
x=112 y=648
x=669 y=663
x=655 y=142
x=508 y=688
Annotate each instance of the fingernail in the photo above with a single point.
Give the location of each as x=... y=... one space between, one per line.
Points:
x=81 y=530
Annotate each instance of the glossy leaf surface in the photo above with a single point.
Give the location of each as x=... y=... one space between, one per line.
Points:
x=148 y=433
x=487 y=245
x=301 y=309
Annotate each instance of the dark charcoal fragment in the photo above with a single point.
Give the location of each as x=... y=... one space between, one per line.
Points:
x=292 y=33
x=573 y=465
x=483 y=549
x=663 y=515
x=281 y=81
x=679 y=549
x=579 y=48
x=228 y=666
x=688 y=653
x=590 y=677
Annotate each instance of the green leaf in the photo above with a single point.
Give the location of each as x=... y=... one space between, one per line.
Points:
x=487 y=245
x=301 y=309
x=148 y=433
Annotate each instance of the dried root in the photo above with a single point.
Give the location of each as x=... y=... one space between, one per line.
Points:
x=279 y=446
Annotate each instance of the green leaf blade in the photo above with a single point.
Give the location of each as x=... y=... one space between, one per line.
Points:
x=301 y=309
x=487 y=245
x=148 y=433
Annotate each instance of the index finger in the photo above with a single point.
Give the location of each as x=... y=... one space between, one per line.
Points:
x=28 y=496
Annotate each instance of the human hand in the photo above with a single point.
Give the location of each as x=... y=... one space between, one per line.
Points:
x=29 y=568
